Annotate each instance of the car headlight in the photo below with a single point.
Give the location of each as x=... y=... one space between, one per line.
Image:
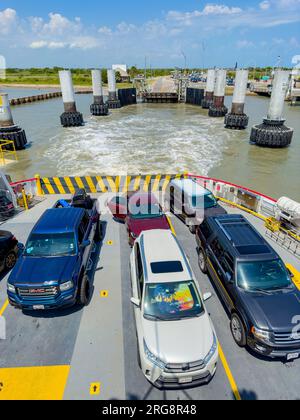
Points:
x=261 y=335
x=11 y=288
x=66 y=286
x=211 y=351
x=152 y=358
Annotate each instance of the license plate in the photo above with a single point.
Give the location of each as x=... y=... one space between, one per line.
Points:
x=38 y=307
x=292 y=356
x=185 y=380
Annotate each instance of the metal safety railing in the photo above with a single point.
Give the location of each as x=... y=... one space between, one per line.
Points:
x=7 y=150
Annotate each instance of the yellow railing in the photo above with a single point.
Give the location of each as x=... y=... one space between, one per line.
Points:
x=7 y=148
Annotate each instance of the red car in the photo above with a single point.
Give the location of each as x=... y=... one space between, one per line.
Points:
x=118 y=206
x=144 y=213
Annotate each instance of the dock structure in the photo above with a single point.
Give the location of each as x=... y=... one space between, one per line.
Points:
x=237 y=119
x=160 y=97
x=98 y=108
x=218 y=109
x=210 y=87
x=273 y=132
x=113 y=101
x=8 y=130
x=71 y=117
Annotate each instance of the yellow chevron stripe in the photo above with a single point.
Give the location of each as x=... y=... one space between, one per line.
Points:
x=48 y=186
x=91 y=184
x=147 y=182
x=59 y=186
x=127 y=184
x=79 y=182
x=118 y=182
x=156 y=183
x=101 y=184
x=111 y=183
x=70 y=185
x=167 y=182
x=137 y=183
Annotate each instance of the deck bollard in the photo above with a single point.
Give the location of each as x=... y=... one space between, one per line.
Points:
x=8 y=130
x=113 y=101
x=210 y=87
x=218 y=109
x=71 y=117
x=98 y=108
x=237 y=119
x=273 y=132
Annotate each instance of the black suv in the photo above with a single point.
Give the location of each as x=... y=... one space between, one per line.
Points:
x=254 y=284
x=8 y=250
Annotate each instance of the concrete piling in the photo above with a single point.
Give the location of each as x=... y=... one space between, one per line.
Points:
x=210 y=87
x=218 y=109
x=8 y=130
x=98 y=108
x=273 y=132
x=113 y=101
x=71 y=117
x=237 y=119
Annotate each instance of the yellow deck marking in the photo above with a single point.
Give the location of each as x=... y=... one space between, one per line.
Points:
x=171 y=226
x=109 y=243
x=229 y=375
x=127 y=183
x=48 y=186
x=79 y=182
x=91 y=184
x=95 y=388
x=156 y=183
x=137 y=183
x=112 y=184
x=147 y=182
x=34 y=383
x=70 y=185
x=104 y=294
x=101 y=184
x=3 y=309
x=296 y=278
x=166 y=183
x=59 y=186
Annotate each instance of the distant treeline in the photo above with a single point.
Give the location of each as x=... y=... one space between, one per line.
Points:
x=82 y=77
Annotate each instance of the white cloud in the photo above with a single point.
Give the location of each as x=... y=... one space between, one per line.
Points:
x=8 y=19
x=265 y=5
x=85 y=43
x=245 y=44
x=38 y=44
x=59 y=25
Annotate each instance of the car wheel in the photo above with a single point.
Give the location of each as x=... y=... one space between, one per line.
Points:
x=10 y=260
x=202 y=261
x=85 y=291
x=238 y=331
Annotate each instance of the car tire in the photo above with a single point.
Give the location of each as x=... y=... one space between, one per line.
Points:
x=238 y=330
x=85 y=291
x=202 y=261
x=10 y=261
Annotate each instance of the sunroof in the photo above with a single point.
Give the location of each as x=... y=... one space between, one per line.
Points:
x=166 y=267
x=253 y=249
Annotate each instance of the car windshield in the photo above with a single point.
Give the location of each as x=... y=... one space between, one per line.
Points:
x=172 y=301
x=145 y=211
x=51 y=245
x=204 y=201
x=263 y=275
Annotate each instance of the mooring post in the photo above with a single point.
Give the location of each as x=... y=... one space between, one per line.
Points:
x=113 y=101
x=8 y=130
x=98 y=108
x=237 y=119
x=218 y=109
x=210 y=87
x=273 y=132
x=71 y=117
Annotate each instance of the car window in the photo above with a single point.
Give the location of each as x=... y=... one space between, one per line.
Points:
x=140 y=271
x=51 y=245
x=205 y=230
x=217 y=248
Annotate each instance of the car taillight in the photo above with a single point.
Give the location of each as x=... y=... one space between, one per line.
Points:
x=14 y=239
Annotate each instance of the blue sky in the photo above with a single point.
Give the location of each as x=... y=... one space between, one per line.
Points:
x=99 y=33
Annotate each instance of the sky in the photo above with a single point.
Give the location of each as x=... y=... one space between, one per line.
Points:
x=161 y=32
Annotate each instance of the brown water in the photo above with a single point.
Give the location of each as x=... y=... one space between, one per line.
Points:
x=150 y=138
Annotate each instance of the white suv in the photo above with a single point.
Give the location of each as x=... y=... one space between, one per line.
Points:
x=177 y=343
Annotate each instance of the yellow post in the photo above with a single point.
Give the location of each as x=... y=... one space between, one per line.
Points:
x=25 y=199
x=39 y=185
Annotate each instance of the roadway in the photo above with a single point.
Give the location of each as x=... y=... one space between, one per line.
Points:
x=90 y=353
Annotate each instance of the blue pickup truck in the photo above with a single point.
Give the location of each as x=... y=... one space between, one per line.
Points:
x=51 y=273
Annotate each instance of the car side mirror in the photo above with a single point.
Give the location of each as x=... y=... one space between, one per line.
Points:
x=85 y=244
x=136 y=302
x=207 y=296
x=228 y=277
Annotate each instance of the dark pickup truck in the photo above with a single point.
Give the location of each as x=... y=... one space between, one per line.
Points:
x=51 y=273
